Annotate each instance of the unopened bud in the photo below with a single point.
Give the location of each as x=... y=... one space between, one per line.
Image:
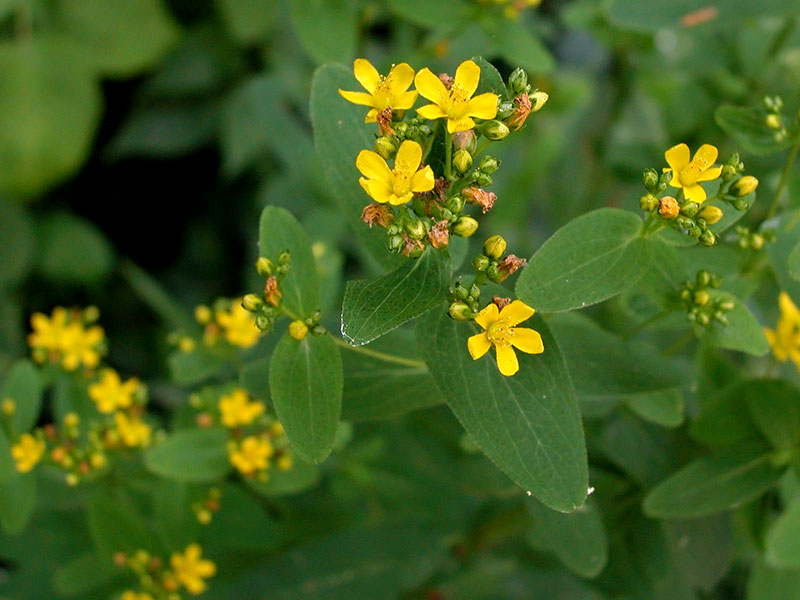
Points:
x=495 y=130
x=385 y=147
x=474 y=291
x=740 y=204
x=460 y=290
x=484 y=180
x=460 y=311
x=494 y=247
x=650 y=179
x=318 y=330
x=252 y=303
x=757 y=241
x=455 y=204
x=704 y=278
x=489 y=164
x=703 y=319
x=494 y=274
x=709 y=238
x=262 y=322
x=505 y=110
x=518 y=82
x=264 y=266
x=538 y=100
x=415 y=229
x=689 y=209
x=668 y=207
x=480 y=263
x=298 y=330
x=711 y=214
x=394 y=242
x=684 y=222
x=284 y=258
x=648 y=202
x=746 y=185
x=465 y=226
x=465 y=140
x=462 y=161
x=728 y=172
x=727 y=305
x=773 y=121
x=701 y=297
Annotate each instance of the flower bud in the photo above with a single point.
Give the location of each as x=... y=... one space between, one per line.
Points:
x=709 y=238
x=727 y=305
x=757 y=241
x=460 y=311
x=746 y=185
x=505 y=110
x=740 y=204
x=495 y=130
x=462 y=161
x=385 y=147
x=711 y=214
x=648 y=202
x=494 y=247
x=703 y=278
x=488 y=165
x=252 y=303
x=460 y=290
x=538 y=100
x=734 y=160
x=684 y=222
x=394 y=242
x=689 y=209
x=298 y=330
x=703 y=319
x=480 y=263
x=484 y=180
x=650 y=179
x=284 y=258
x=695 y=231
x=455 y=204
x=773 y=121
x=415 y=229
x=465 y=140
x=265 y=267
x=262 y=322
x=465 y=226
x=668 y=207
x=518 y=82
x=493 y=273
x=701 y=297
x=474 y=291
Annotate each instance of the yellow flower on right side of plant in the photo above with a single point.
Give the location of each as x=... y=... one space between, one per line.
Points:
x=500 y=332
x=688 y=174
x=784 y=340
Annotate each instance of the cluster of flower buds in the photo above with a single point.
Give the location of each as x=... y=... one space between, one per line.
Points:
x=80 y=457
x=774 y=119
x=524 y=100
x=753 y=240
x=701 y=307
x=266 y=305
x=205 y=508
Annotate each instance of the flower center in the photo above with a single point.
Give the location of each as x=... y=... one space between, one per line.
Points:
x=382 y=96
x=458 y=101
x=691 y=172
x=499 y=333
x=402 y=179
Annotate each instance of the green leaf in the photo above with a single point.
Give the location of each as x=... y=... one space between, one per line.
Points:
x=246 y=20
x=24 y=386
x=193 y=455
x=793 y=262
x=278 y=232
x=578 y=538
x=725 y=418
x=242 y=524
x=773 y=584
x=783 y=539
x=339 y=135
x=743 y=331
x=373 y=307
x=116 y=526
x=328 y=29
x=432 y=14
x=747 y=126
x=83 y=574
x=49 y=105
x=176 y=524
x=18 y=249
x=701 y=548
x=305 y=378
x=714 y=483
x=519 y=46
x=662 y=407
x=590 y=259
x=74 y=250
x=119 y=38
x=300 y=477
x=17 y=501
x=491 y=80
x=190 y=368
x=528 y=425
x=7 y=464
x=775 y=409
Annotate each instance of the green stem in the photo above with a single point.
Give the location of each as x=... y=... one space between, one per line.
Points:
x=787 y=168
x=448 y=153
x=644 y=324
x=673 y=349
x=390 y=358
x=780 y=39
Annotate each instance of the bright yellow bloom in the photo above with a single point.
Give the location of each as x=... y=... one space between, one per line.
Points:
x=80 y=345
x=27 y=452
x=110 y=393
x=251 y=455
x=688 y=174
x=384 y=92
x=785 y=339
x=456 y=104
x=499 y=331
x=132 y=430
x=239 y=325
x=237 y=410
x=395 y=186
x=48 y=331
x=190 y=570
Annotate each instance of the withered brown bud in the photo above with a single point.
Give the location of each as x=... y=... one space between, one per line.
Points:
x=668 y=207
x=411 y=247
x=440 y=187
x=377 y=214
x=465 y=140
x=476 y=195
x=439 y=235
x=271 y=292
x=446 y=79
x=501 y=303
x=522 y=108
x=384 y=119
x=509 y=265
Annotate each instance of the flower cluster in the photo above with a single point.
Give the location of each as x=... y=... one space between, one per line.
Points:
x=701 y=306
x=785 y=338
x=690 y=211
x=187 y=570
x=67 y=338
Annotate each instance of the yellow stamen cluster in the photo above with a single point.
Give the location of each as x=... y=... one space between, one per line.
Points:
x=67 y=338
x=500 y=332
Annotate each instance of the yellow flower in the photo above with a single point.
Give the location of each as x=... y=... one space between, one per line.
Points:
x=190 y=570
x=48 y=332
x=499 y=331
x=27 y=452
x=237 y=410
x=688 y=174
x=131 y=595
x=251 y=455
x=785 y=339
x=81 y=346
x=395 y=186
x=239 y=325
x=456 y=104
x=132 y=430
x=383 y=91
x=110 y=393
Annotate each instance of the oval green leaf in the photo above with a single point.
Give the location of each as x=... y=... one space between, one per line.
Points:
x=743 y=332
x=783 y=539
x=193 y=455
x=23 y=385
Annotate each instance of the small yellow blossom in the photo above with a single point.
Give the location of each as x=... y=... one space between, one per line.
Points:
x=499 y=331
x=132 y=430
x=110 y=393
x=190 y=569
x=131 y=595
x=48 y=331
x=785 y=339
x=383 y=92
x=237 y=410
x=238 y=325
x=298 y=330
x=27 y=452
x=688 y=174
x=456 y=104
x=81 y=346
x=395 y=186
x=251 y=455
x=186 y=345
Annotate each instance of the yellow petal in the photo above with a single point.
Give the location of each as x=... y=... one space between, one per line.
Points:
x=422 y=181
x=366 y=74
x=409 y=155
x=400 y=78
x=431 y=111
x=430 y=86
x=695 y=193
x=705 y=156
x=373 y=166
x=398 y=200
x=380 y=191
x=359 y=98
x=788 y=307
x=371 y=116
x=405 y=100
x=462 y=124
x=468 y=74
x=478 y=345
x=710 y=174
x=516 y=312
x=677 y=157
x=676 y=180
x=506 y=360
x=487 y=316
x=483 y=106
x=527 y=340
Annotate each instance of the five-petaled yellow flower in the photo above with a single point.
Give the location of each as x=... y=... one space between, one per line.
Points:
x=785 y=339
x=110 y=393
x=395 y=186
x=27 y=452
x=456 y=104
x=190 y=569
x=384 y=92
x=237 y=410
x=251 y=455
x=132 y=430
x=499 y=331
x=688 y=174
x=238 y=325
